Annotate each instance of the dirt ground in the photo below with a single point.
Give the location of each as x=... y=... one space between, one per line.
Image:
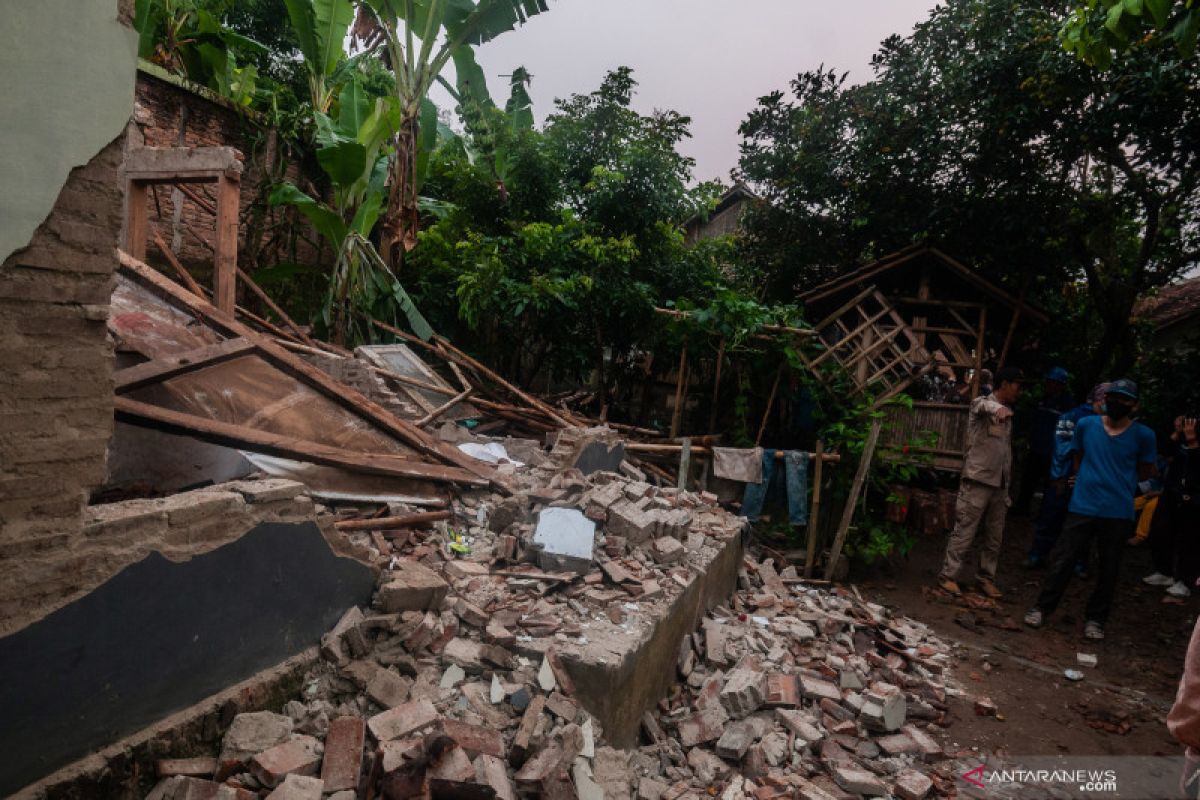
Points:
x=1120 y=705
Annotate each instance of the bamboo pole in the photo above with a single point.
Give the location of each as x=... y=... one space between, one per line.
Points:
x=271 y=304
x=814 y=514
x=677 y=415
x=860 y=478
x=712 y=415
x=770 y=402
x=444 y=407
x=685 y=464
x=184 y=275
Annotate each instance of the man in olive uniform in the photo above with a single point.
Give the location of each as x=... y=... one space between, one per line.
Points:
x=983 y=494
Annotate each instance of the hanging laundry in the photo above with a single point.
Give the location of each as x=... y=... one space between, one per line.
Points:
x=739 y=464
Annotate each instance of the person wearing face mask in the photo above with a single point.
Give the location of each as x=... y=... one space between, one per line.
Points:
x=1112 y=453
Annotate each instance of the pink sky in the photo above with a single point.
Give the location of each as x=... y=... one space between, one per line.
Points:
x=710 y=60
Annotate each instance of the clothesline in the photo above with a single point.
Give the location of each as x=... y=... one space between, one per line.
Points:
x=638 y=447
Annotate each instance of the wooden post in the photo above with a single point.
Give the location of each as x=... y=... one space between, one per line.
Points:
x=677 y=416
x=1012 y=327
x=226 y=244
x=814 y=513
x=136 y=219
x=860 y=477
x=712 y=415
x=770 y=402
x=979 y=342
x=685 y=464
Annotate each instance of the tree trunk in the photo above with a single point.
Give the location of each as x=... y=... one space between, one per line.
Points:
x=401 y=222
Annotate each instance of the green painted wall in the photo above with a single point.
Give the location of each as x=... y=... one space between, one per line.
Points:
x=68 y=70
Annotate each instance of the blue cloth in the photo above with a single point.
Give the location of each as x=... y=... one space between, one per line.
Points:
x=1108 y=478
x=1063 y=462
x=795 y=480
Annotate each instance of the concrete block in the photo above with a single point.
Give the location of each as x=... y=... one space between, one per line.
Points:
x=743 y=691
x=859 y=781
x=298 y=787
x=402 y=720
x=299 y=756
x=627 y=520
x=388 y=689
x=735 y=740
x=249 y=735
x=566 y=538
x=412 y=586
x=912 y=785
x=817 y=689
x=342 y=764
x=884 y=707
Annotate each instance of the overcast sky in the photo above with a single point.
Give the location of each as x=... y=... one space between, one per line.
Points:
x=708 y=59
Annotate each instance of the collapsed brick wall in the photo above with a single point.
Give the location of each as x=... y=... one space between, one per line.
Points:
x=171 y=115
x=56 y=408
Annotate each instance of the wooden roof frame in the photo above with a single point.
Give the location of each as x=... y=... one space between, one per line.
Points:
x=462 y=469
x=868 y=272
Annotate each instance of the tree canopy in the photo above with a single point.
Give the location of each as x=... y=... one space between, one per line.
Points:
x=980 y=132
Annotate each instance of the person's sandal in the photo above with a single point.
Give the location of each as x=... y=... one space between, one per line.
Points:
x=1093 y=630
x=1033 y=618
x=989 y=588
x=947 y=585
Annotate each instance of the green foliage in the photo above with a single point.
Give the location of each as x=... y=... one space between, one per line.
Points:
x=980 y=133
x=187 y=37
x=1097 y=30
x=320 y=27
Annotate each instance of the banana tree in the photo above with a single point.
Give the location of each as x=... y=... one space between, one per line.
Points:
x=420 y=37
x=321 y=27
x=353 y=152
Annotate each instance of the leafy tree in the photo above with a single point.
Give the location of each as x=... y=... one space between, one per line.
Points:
x=1097 y=29
x=419 y=38
x=980 y=132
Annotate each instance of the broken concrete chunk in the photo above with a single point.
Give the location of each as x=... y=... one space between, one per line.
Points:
x=412 y=586
x=817 y=689
x=736 y=740
x=387 y=688
x=566 y=538
x=249 y=735
x=884 y=707
x=743 y=691
x=491 y=772
x=332 y=645
x=475 y=740
x=782 y=691
x=702 y=727
x=545 y=676
x=859 y=781
x=199 y=767
x=298 y=787
x=707 y=766
x=668 y=550
x=402 y=720
x=912 y=785
x=299 y=756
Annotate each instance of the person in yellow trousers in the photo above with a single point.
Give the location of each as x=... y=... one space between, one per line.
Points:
x=983 y=493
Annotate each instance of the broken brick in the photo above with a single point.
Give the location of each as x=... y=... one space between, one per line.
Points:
x=342 y=763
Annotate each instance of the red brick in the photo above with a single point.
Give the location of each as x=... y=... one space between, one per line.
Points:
x=342 y=765
x=402 y=720
x=782 y=691
x=295 y=757
x=474 y=739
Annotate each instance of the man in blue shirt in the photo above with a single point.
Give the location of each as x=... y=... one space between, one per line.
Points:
x=1053 y=512
x=1112 y=453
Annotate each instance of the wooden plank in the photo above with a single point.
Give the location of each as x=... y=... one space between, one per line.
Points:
x=444 y=407
x=814 y=514
x=306 y=373
x=161 y=369
x=226 y=245
x=137 y=222
x=685 y=464
x=393 y=523
x=829 y=320
x=860 y=477
x=271 y=444
x=871 y=320
x=862 y=273
x=762 y=428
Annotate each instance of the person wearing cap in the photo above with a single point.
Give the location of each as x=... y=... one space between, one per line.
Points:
x=1062 y=467
x=1056 y=400
x=1112 y=453
x=983 y=494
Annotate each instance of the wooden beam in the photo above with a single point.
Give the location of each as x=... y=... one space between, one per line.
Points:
x=183 y=274
x=444 y=407
x=1012 y=327
x=860 y=477
x=814 y=514
x=419 y=520
x=241 y=437
x=161 y=369
x=271 y=304
x=685 y=464
x=712 y=414
x=979 y=343
x=849 y=304
x=770 y=402
x=862 y=273
x=226 y=245
x=137 y=222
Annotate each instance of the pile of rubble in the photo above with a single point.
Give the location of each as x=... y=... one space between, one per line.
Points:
x=458 y=682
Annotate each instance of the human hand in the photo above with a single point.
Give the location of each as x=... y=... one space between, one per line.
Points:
x=1189 y=431
x=1003 y=413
